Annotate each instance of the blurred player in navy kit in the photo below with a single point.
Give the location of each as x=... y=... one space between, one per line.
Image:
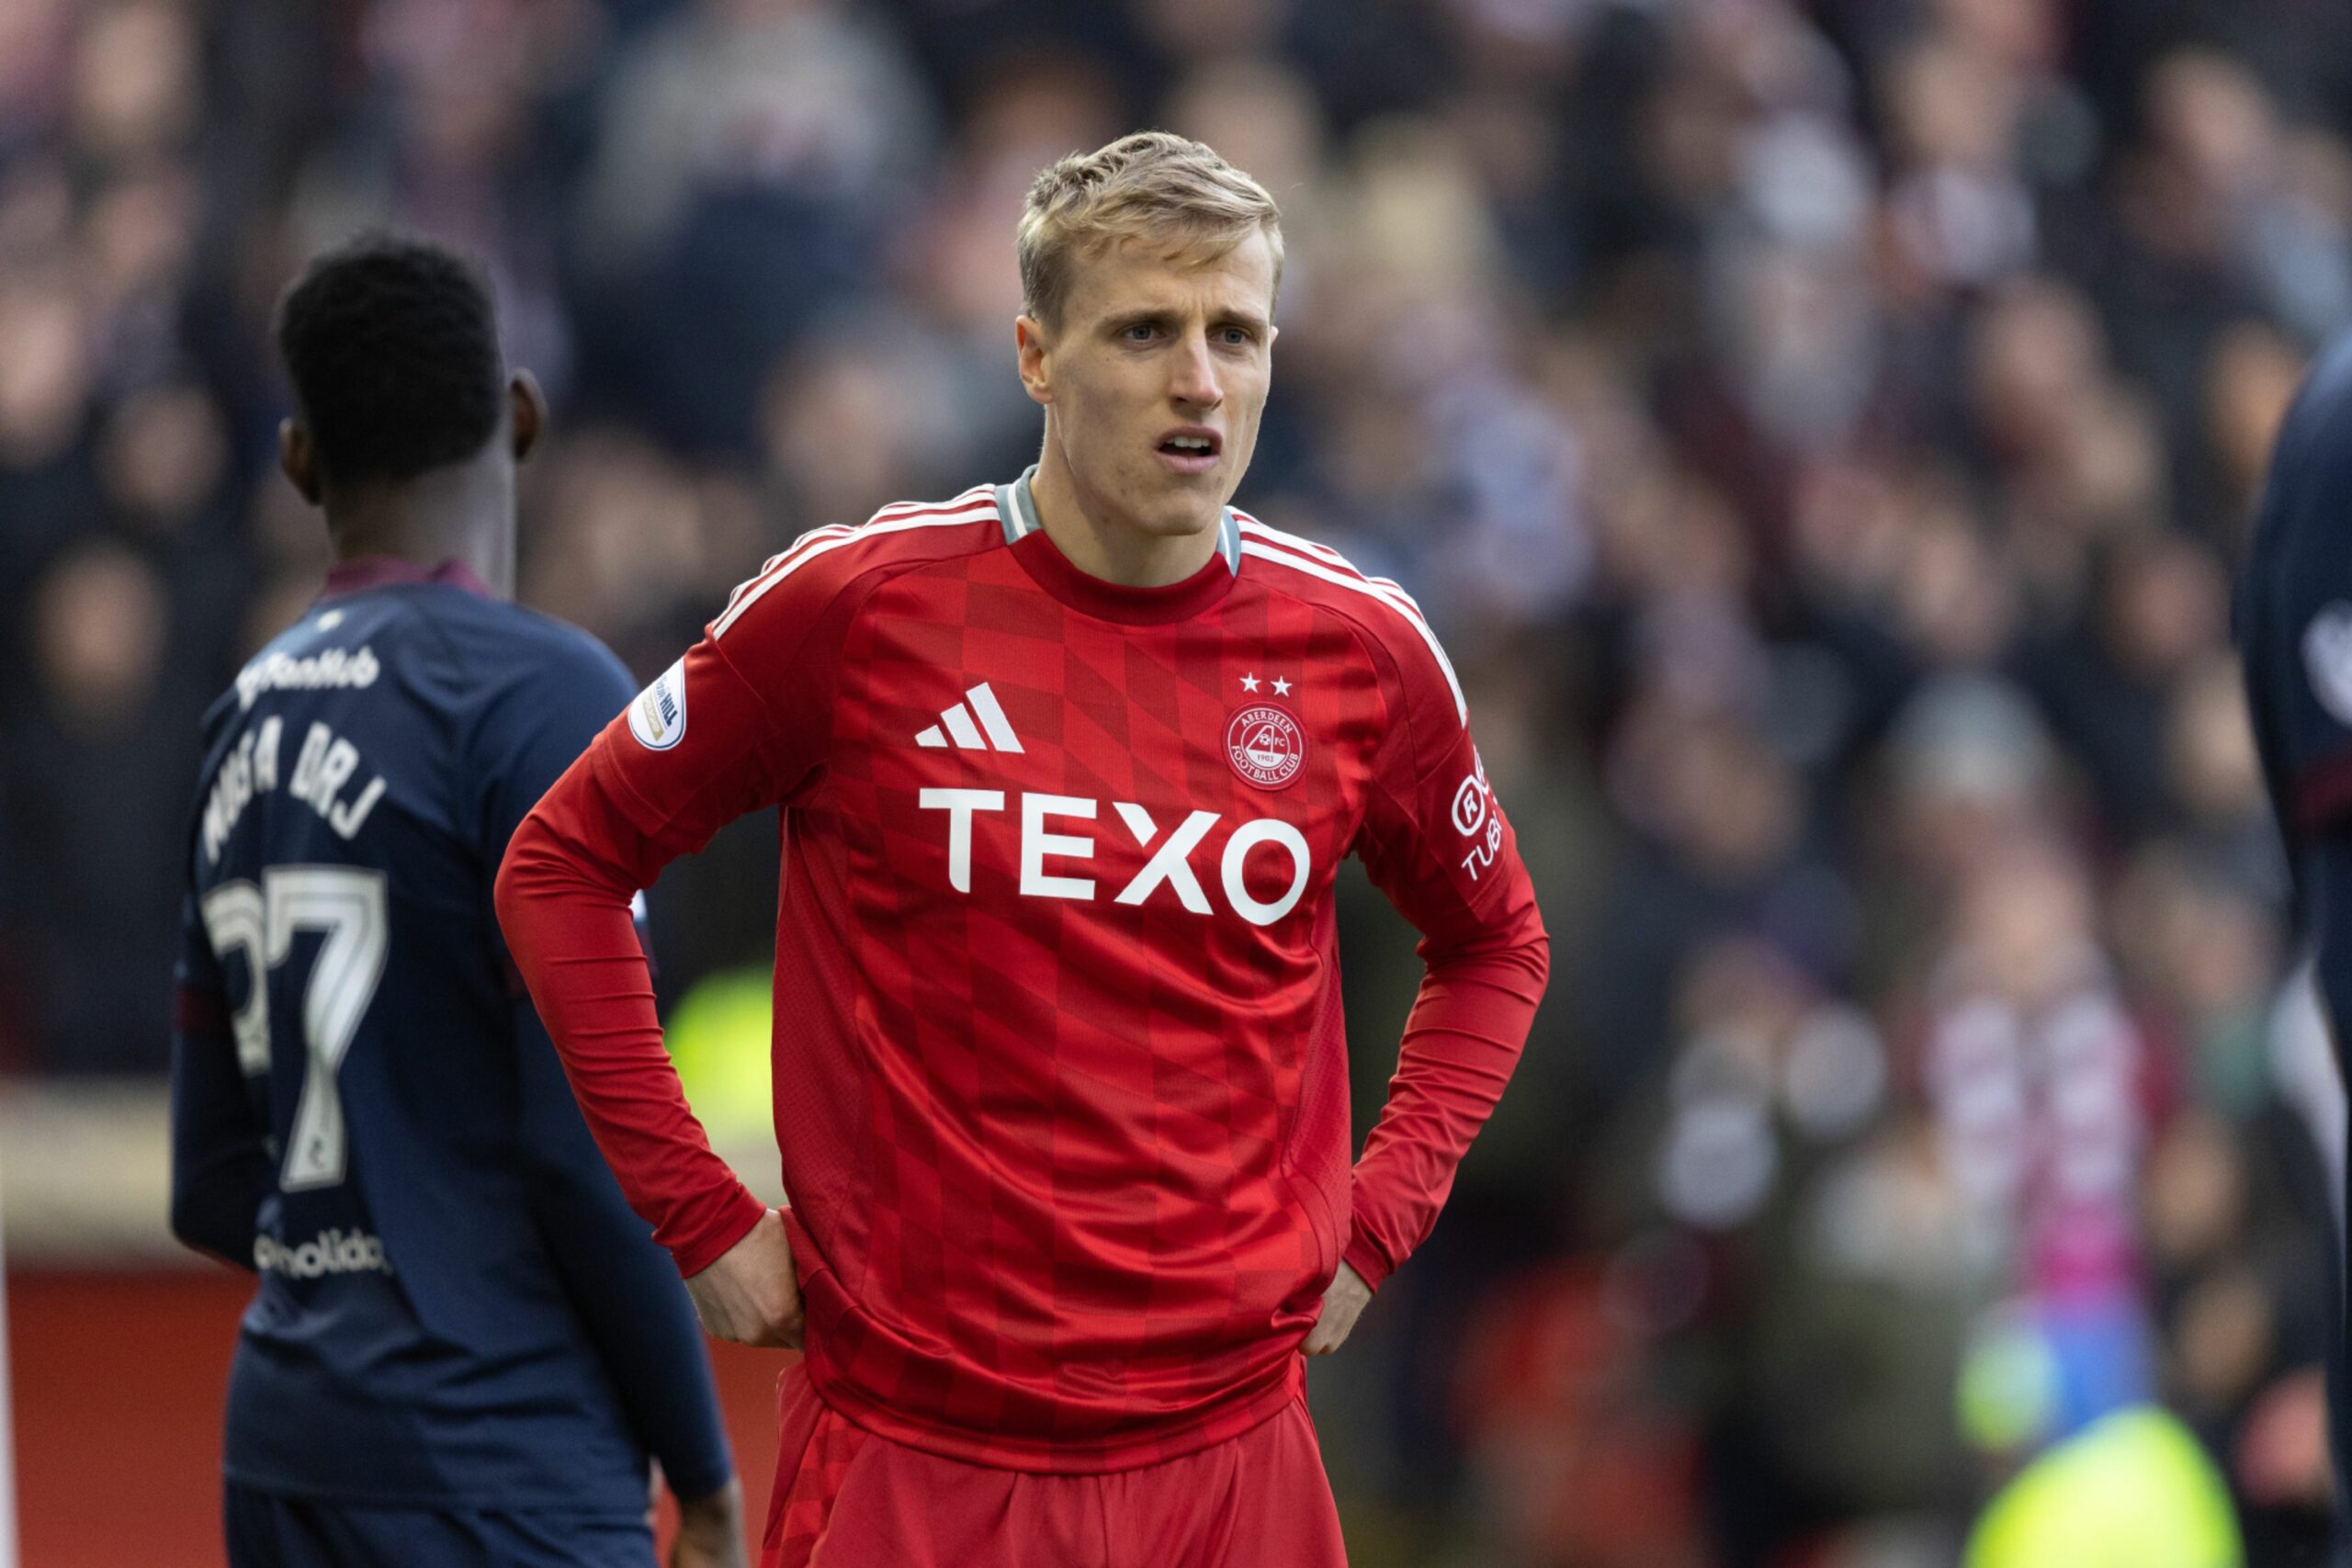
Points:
x=462 y=1345
x=2295 y=625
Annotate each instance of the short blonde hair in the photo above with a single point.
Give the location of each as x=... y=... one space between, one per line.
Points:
x=1147 y=185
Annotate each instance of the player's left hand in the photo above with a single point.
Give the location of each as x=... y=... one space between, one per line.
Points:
x=752 y=1295
x=1344 y=1300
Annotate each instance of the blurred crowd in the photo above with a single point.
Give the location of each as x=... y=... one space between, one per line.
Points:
x=1823 y=432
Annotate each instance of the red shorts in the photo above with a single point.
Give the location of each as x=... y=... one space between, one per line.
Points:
x=846 y=1498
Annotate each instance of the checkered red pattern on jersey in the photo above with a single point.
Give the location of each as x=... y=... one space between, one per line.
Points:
x=1070 y=1171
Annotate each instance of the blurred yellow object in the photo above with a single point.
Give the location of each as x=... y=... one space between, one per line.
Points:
x=718 y=1036
x=2131 y=1489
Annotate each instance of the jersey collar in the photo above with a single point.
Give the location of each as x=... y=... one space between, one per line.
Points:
x=1043 y=559
x=361 y=573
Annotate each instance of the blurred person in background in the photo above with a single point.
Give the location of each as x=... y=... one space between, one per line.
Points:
x=94 y=888
x=462 y=1346
x=1065 y=1307
x=2040 y=1086
x=749 y=152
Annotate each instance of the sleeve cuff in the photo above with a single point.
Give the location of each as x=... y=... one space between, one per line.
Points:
x=1360 y=1257
x=692 y=1483
x=713 y=1239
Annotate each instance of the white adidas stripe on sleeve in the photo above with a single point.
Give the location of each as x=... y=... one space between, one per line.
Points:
x=959 y=513
x=1306 y=546
x=1254 y=542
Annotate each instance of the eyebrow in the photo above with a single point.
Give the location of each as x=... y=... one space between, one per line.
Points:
x=1156 y=315
x=1145 y=316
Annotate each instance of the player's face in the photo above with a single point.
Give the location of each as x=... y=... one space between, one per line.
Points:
x=1156 y=378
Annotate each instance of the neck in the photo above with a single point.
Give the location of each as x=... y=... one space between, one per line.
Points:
x=464 y=512
x=1104 y=546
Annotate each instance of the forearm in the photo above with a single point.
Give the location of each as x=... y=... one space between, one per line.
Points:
x=628 y=1295
x=215 y=1206
x=220 y=1169
x=1460 y=1044
x=622 y=1286
x=563 y=904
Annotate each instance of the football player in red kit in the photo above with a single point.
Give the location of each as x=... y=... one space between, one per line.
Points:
x=1067 y=766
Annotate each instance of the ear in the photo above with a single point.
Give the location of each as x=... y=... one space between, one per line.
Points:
x=299 y=460
x=1037 y=374
x=528 y=413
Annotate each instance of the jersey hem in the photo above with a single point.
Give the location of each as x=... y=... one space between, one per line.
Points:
x=1044 y=1458
x=503 y=1502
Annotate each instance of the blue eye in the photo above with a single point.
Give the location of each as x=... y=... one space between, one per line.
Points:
x=1140 y=332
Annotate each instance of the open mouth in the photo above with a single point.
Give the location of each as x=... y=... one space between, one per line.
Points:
x=1192 y=443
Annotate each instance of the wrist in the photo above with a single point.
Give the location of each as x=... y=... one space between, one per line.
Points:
x=720 y=1503
x=731 y=1221
x=1368 y=1263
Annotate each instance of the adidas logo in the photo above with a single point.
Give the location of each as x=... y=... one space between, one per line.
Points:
x=966 y=735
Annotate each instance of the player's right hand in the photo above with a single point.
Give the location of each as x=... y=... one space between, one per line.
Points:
x=710 y=1531
x=750 y=1296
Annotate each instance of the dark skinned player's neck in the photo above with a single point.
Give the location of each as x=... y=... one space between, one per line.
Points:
x=464 y=512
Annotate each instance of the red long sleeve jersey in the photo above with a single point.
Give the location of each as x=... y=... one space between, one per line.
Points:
x=1060 y=1074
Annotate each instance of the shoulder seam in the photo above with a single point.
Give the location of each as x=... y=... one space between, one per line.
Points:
x=974 y=506
x=1328 y=565
x=1375 y=651
x=1323 y=554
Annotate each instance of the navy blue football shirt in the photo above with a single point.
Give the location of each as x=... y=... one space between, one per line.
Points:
x=2295 y=615
x=455 y=1306
x=2295 y=628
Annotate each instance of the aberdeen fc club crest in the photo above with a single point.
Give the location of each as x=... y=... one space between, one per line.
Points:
x=1265 y=745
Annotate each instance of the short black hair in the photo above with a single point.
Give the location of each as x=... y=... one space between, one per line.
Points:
x=391 y=343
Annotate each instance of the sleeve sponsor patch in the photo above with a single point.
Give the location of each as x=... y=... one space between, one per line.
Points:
x=658 y=716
